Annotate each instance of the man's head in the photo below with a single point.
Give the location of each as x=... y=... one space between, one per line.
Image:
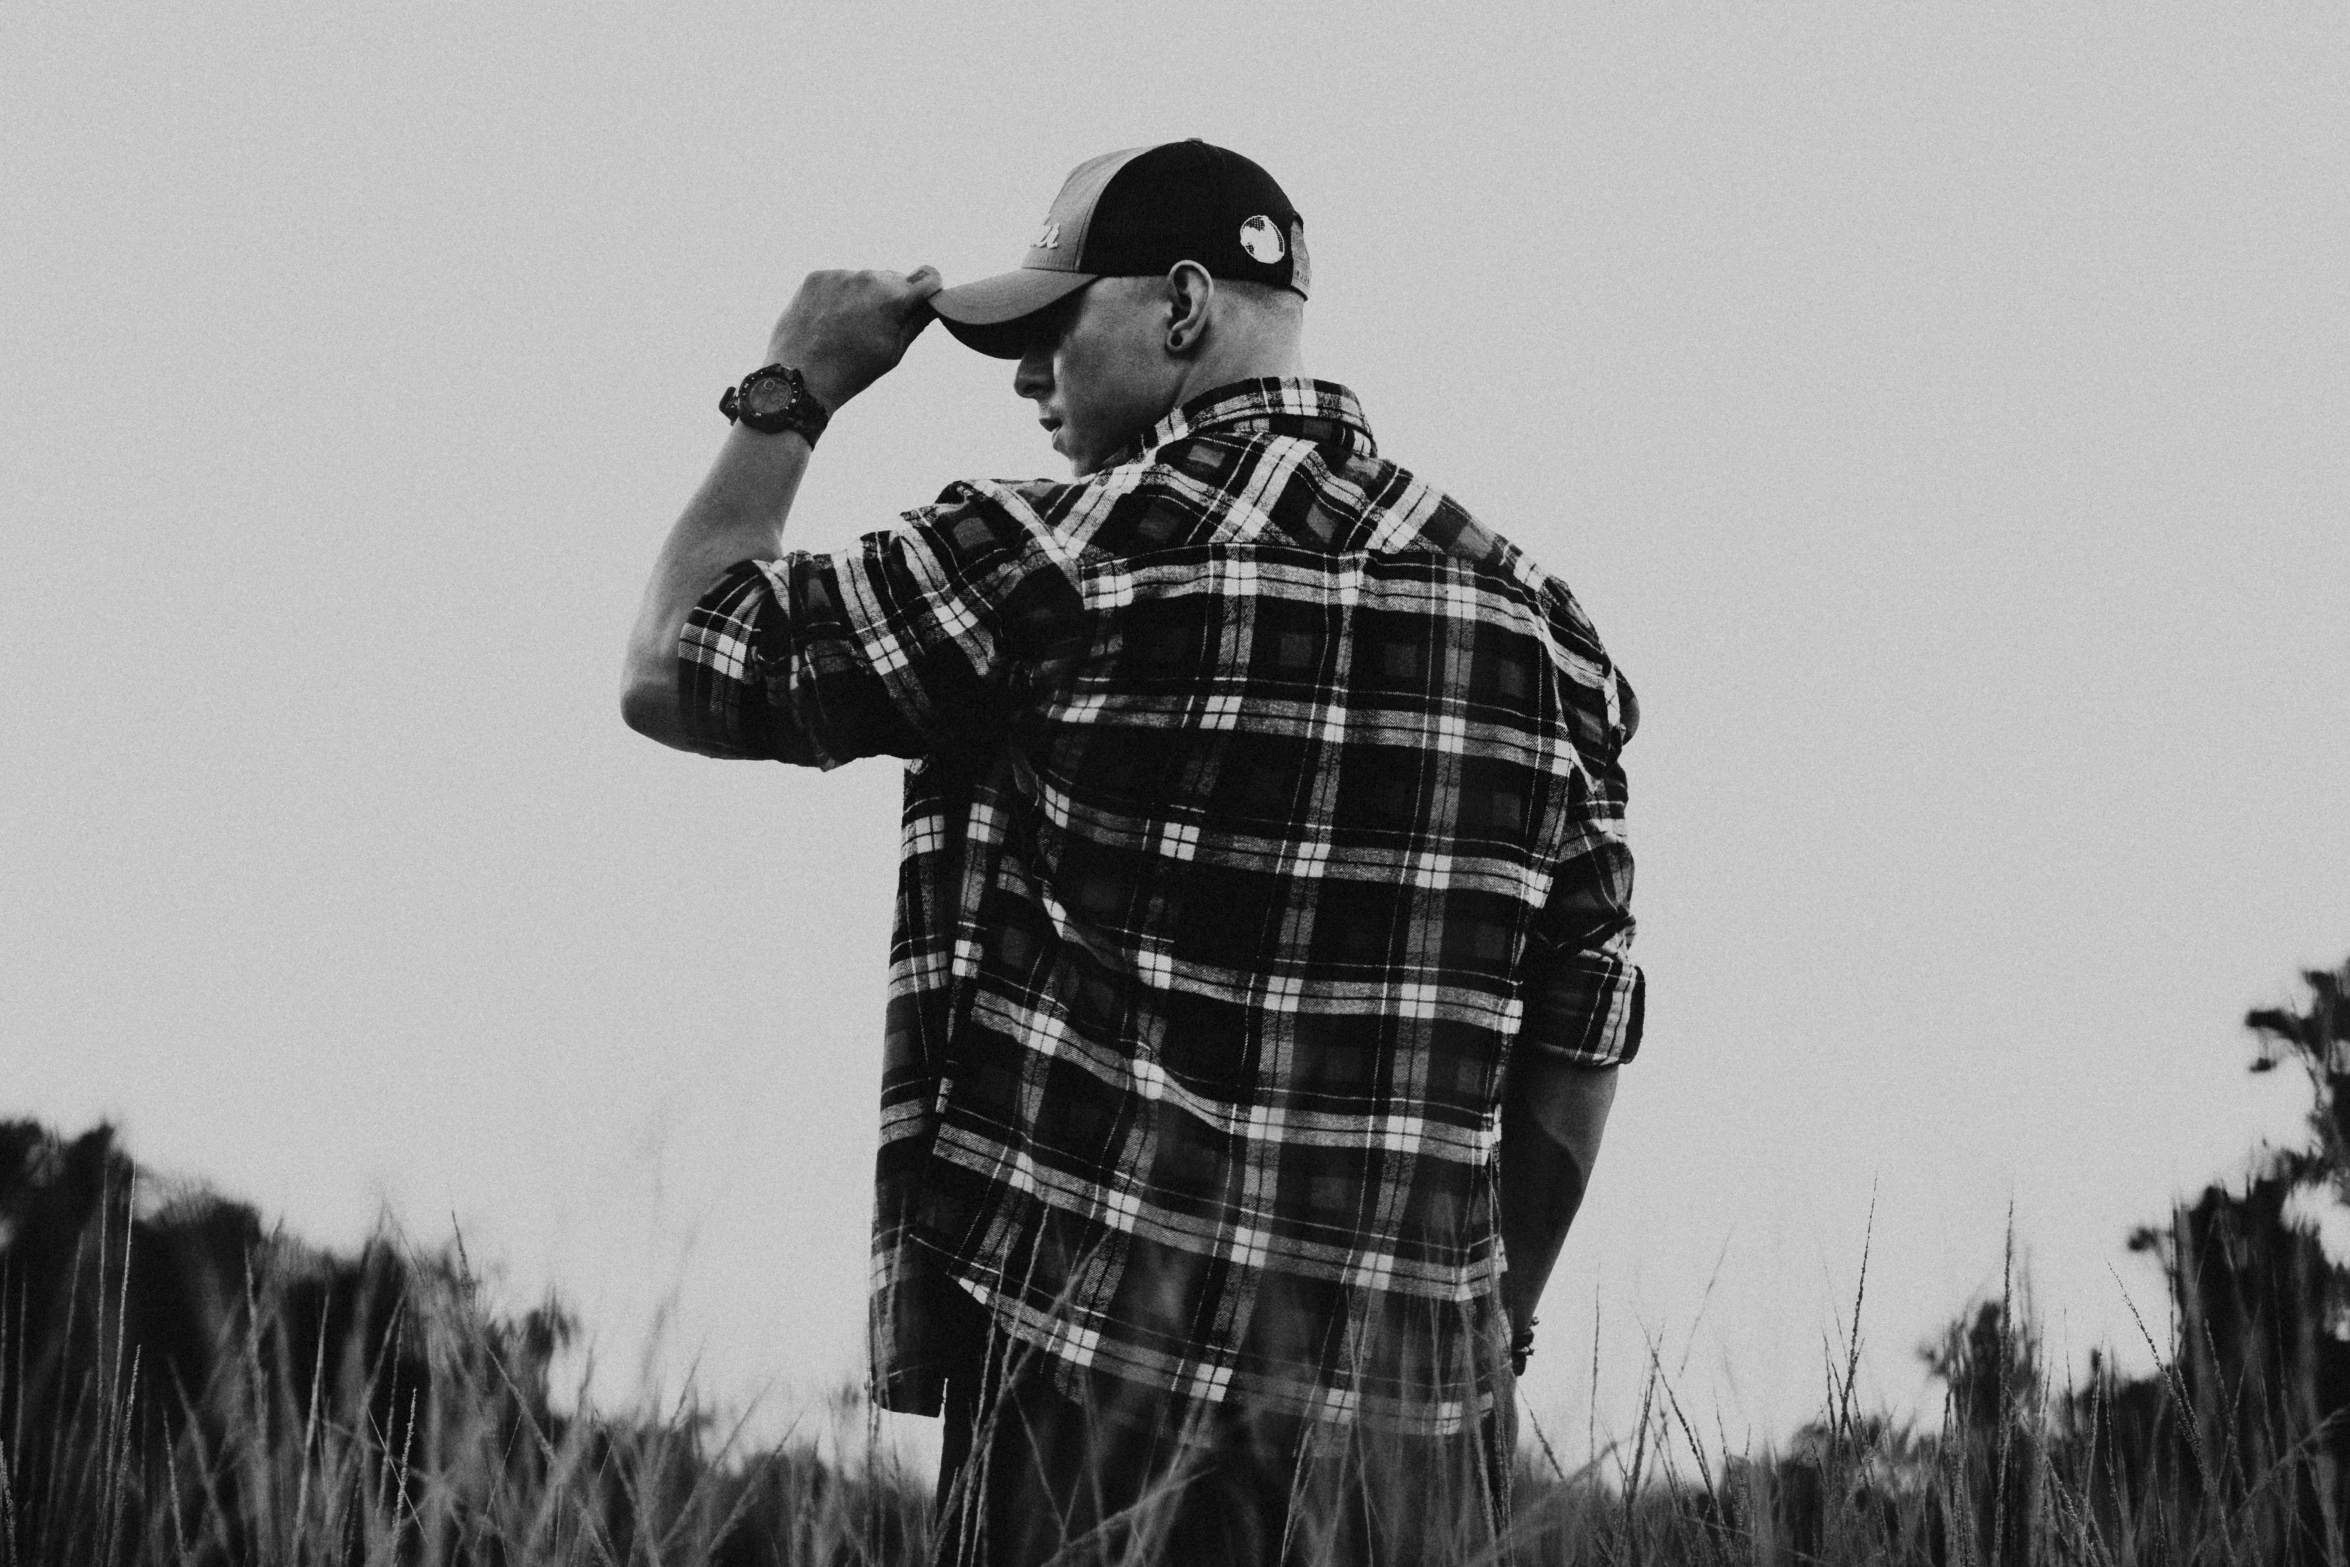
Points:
x=1159 y=273
x=1112 y=359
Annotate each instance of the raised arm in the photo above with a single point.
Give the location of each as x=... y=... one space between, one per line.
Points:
x=842 y=331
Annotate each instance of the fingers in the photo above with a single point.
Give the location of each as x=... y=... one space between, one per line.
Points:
x=922 y=282
x=854 y=324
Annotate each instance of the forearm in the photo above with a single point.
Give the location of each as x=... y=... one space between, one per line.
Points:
x=737 y=514
x=841 y=331
x=1553 y=1114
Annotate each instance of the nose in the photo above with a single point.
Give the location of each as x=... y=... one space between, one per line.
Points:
x=1034 y=377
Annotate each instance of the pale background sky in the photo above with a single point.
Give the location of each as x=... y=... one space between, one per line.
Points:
x=1940 y=409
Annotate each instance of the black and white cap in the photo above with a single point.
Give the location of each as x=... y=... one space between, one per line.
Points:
x=1135 y=214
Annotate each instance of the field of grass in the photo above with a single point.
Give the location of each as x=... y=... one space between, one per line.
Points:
x=178 y=1387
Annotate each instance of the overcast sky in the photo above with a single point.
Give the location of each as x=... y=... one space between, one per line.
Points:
x=1940 y=410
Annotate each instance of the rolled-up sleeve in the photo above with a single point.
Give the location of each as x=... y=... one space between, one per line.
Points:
x=914 y=644
x=1584 y=998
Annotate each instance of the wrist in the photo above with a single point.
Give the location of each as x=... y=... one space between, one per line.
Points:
x=825 y=380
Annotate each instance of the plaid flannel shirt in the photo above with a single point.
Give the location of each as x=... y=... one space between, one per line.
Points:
x=1259 y=802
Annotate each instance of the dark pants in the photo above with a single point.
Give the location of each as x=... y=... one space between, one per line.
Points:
x=1031 y=1474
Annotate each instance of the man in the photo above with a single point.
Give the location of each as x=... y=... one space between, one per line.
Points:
x=1260 y=971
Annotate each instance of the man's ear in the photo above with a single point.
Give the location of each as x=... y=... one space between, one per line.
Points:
x=1189 y=292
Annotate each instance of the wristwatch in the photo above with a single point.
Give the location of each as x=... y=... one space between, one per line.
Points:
x=776 y=398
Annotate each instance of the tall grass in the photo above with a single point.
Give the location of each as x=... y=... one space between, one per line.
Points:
x=430 y=1437
x=374 y=1410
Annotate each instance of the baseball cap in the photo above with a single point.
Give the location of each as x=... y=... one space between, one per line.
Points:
x=1135 y=214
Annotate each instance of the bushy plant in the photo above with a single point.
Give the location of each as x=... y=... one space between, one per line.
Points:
x=178 y=1386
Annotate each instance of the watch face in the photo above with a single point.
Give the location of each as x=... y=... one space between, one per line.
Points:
x=766 y=396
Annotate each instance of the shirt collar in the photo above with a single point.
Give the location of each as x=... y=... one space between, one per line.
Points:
x=1320 y=411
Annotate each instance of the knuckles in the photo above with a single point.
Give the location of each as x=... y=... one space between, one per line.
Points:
x=866 y=278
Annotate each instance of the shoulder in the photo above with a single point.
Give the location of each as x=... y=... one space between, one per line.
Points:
x=1441 y=526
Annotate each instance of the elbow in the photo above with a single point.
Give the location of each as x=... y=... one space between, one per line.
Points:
x=635 y=711
x=648 y=682
x=650 y=708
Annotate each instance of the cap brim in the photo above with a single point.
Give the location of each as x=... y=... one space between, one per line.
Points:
x=991 y=315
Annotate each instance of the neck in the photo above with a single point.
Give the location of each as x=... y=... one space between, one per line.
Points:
x=1237 y=362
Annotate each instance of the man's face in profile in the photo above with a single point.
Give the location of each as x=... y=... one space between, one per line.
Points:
x=1098 y=370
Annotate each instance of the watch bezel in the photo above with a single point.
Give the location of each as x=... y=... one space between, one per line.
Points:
x=800 y=410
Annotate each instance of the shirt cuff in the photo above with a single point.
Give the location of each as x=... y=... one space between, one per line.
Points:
x=1586 y=1008
x=721 y=689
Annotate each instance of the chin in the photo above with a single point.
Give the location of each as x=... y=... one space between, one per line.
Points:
x=1083 y=463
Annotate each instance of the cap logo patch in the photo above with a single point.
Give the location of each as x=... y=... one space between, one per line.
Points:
x=1261 y=238
x=1050 y=239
